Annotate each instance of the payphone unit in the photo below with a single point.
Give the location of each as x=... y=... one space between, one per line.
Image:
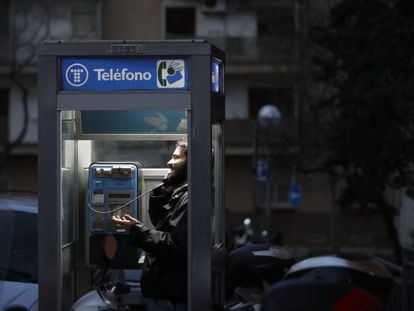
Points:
x=112 y=191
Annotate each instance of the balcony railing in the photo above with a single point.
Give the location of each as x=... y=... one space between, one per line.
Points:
x=260 y=49
x=240 y=134
x=278 y=50
x=256 y=50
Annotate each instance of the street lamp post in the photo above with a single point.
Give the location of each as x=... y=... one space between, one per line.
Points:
x=268 y=118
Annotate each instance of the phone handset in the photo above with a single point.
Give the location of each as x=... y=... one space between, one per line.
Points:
x=163 y=184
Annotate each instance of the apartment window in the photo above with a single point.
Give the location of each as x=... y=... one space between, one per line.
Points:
x=282 y=98
x=4 y=115
x=84 y=20
x=4 y=18
x=276 y=20
x=180 y=21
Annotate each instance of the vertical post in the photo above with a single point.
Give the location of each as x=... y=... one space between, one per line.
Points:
x=268 y=183
x=268 y=117
x=199 y=211
x=49 y=235
x=254 y=164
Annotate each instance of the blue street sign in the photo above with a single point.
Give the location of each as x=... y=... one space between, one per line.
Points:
x=110 y=74
x=295 y=195
x=262 y=169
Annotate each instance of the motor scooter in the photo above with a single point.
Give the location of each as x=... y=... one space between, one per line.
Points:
x=113 y=290
x=331 y=283
x=252 y=269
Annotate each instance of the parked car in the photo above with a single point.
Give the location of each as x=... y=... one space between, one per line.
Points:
x=18 y=253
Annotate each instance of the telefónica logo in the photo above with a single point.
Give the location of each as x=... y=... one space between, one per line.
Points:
x=171 y=73
x=77 y=75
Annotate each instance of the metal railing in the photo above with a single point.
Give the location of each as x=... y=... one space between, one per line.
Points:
x=240 y=132
x=278 y=50
x=256 y=50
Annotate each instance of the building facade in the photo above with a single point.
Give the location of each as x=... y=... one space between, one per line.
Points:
x=269 y=54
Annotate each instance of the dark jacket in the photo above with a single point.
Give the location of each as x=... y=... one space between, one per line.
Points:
x=164 y=273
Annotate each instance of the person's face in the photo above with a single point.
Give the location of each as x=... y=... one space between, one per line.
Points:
x=178 y=166
x=178 y=159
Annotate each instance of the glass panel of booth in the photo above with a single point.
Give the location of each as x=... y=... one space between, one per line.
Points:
x=67 y=177
x=218 y=234
x=217 y=184
x=114 y=142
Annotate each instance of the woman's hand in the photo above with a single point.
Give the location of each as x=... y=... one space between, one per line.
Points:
x=125 y=221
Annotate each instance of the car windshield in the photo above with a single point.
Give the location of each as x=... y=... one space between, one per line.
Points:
x=18 y=229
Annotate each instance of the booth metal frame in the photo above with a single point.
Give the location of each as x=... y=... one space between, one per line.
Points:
x=203 y=107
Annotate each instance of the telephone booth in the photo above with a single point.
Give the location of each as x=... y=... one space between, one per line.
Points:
x=110 y=114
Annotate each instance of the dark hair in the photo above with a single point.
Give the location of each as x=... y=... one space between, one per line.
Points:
x=183 y=145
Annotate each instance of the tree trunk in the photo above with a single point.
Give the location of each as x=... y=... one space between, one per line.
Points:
x=387 y=212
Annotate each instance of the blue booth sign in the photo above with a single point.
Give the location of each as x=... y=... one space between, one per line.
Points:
x=110 y=74
x=295 y=195
x=215 y=76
